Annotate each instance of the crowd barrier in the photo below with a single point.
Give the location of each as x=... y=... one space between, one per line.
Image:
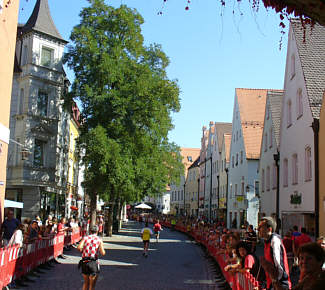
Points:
x=238 y=281
x=17 y=261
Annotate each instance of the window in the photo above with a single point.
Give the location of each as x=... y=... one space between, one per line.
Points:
x=294 y=169
x=46 y=56
x=242 y=187
x=189 y=158
x=25 y=55
x=268 y=178
x=263 y=180
x=257 y=188
x=230 y=191
x=265 y=142
x=285 y=172
x=236 y=187
x=275 y=176
x=237 y=136
x=38 y=153
x=21 y=102
x=299 y=103
x=289 y=114
x=42 y=103
x=233 y=161
x=241 y=157
x=236 y=159
x=270 y=138
x=308 y=164
x=293 y=66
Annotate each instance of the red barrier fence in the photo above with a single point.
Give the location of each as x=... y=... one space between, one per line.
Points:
x=17 y=261
x=238 y=281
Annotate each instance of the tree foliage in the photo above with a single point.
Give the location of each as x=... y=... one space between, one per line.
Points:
x=127 y=101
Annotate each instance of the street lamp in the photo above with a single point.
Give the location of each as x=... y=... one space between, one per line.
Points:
x=24 y=151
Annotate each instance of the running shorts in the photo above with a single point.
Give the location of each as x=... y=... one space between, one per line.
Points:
x=90 y=267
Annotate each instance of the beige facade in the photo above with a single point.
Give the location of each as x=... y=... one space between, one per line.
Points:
x=192 y=186
x=8 y=31
x=322 y=171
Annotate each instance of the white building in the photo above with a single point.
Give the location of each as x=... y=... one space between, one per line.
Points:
x=268 y=166
x=304 y=85
x=37 y=120
x=247 y=128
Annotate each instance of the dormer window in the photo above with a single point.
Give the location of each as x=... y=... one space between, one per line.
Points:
x=47 y=56
x=189 y=158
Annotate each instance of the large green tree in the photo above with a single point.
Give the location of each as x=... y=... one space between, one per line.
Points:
x=127 y=101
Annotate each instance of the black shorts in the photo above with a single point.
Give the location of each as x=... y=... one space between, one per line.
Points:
x=90 y=267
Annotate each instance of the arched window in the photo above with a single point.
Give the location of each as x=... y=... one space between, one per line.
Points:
x=294 y=169
x=299 y=103
x=285 y=172
x=308 y=164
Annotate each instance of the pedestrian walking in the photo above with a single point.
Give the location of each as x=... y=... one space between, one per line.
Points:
x=146 y=233
x=274 y=262
x=90 y=246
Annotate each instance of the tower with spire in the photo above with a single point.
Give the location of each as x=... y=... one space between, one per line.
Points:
x=37 y=161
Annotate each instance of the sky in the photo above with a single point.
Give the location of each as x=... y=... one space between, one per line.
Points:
x=212 y=50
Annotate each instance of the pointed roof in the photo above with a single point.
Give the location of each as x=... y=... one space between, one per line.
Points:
x=311 y=44
x=251 y=104
x=275 y=104
x=222 y=128
x=41 y=21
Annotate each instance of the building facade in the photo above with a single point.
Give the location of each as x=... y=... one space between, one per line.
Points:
x=269 y=155
x=192 y=188
x=37 y=118
x=247 y=128
x=177 y=202
x=321 y=161
x=304 y=85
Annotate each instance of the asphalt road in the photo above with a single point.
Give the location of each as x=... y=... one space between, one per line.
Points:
x=174 y=263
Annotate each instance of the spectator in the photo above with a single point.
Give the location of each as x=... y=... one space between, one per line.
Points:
x=33 y=233
x=39 y=222
x=18 y=236
x=250 y=263
x=321 y=241
x=61 y=228
x=251 y=238
x=311 y=258
x=274 y=262
x=8 y=227
x=49 y=220
x=302 y=239
x=295 y=232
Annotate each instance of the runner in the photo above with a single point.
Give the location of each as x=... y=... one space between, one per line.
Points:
x=146 y=232
x=157 y=228
x=90 y=246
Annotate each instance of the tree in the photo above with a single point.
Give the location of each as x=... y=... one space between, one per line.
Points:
x=127 y=101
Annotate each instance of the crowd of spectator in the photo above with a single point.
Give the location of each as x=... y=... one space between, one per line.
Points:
x=276 y=260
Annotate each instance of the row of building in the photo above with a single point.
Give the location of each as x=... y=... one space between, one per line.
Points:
x=43 y=169
x=270 y=159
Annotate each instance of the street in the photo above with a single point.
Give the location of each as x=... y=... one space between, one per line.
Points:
x=173 y=263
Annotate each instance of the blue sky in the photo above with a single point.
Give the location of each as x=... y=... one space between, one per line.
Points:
x=212 y=51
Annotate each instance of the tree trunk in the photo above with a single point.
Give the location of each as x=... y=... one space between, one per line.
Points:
x=118 y=216
x=110 y=220
x=93 y=209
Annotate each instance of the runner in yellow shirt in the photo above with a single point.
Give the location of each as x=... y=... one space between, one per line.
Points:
x=146 y=233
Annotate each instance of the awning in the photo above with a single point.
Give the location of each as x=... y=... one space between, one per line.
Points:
x=14 y=204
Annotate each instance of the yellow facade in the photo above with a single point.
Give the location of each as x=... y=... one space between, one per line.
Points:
x=8 y=32
x=322 y=171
